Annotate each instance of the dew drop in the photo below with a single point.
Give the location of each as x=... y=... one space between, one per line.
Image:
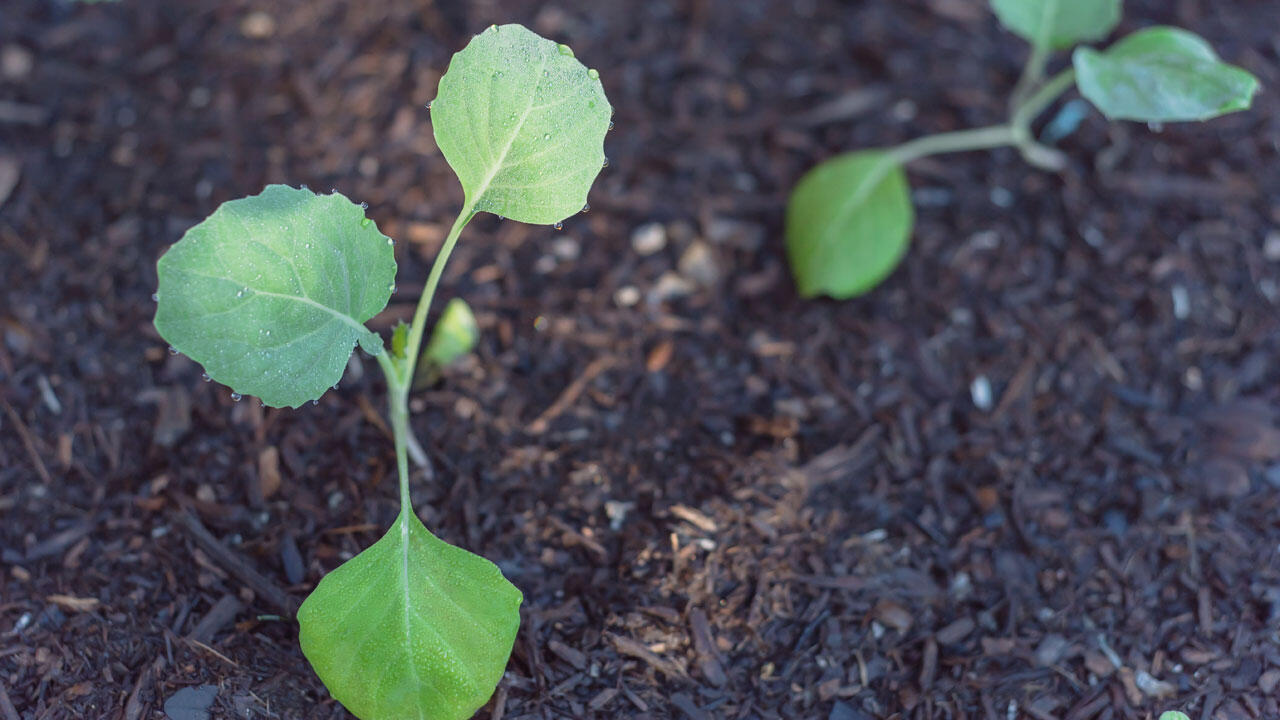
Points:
x=315 y=402
x=610 y=124
x=392 y=287
x=304 y=186
x=390 y=241
x=430 y=104
x=546 y=136
x=333 y=191
x=205 y=377
x=240 y=293
x=497 y=74
x=173 y=350
x=493 y=28
x=586 y=208
x=559 y=226
x=593 y=74
x=565 y=50
x=155 y=297
x=364 y=222
x=235 y=397
x=546 y=73
x=364 y=206
x=606 y=163
x=262 y=403
x=335 y=386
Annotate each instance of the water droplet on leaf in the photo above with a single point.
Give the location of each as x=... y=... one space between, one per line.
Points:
x=430 y=104
x=155 y=297
x=593 y=74
x=390 y=241
x=606 y=163
x=565 y=50
x=586 y=208
x=205 y=377
x=364 y=222
x=364 y=206
x=610 y=124
x=173 y=350
x=559 y=226
x=235 y=397
x=315 y=402
x=546 y=136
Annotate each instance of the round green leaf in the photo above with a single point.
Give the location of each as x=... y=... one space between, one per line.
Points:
x=848 y=224
x=1162 y=74
x=522 y=123
x=270 y=293
x=411 y=628
x=1058 y=24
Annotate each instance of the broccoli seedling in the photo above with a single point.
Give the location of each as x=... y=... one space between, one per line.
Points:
x=849 y=219
x=271 y=293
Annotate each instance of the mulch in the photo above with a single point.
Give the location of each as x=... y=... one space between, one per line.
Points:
x=1034 y=475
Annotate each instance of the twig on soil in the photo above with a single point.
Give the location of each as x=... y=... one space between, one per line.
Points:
x=28 y=442
x=6 y=705
x=133 y=708
x=222 y=612
x=570 y=394
x=235 y=564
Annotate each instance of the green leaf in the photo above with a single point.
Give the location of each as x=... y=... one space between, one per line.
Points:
x=1058 y=24
x=1173 y=715
x=848 y=224
x=271 y=291
x=522 y=123
x=454 y=335
x=412 y=627
x=1162 y=74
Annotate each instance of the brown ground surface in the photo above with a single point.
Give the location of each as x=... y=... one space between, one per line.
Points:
x=755 y=507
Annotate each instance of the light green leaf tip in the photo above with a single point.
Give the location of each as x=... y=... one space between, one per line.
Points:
x=1058 y=23
x=848 y=224
x=522 y=123
x=1162 y=74
x=411 y=628
x=454 y=335
x=1173 y=715
x=270 y=293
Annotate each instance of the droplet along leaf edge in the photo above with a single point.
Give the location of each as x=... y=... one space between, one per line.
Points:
x=474 y=628
x=1168 y=75
x=497 y=145
x=844 y=237
x=221 y=265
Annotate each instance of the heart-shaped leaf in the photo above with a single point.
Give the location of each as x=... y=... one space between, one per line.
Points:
x=411 y=628
x=1058 y=24
x=1162 y=74
x=848 y=224
x=522 y=123
x=270 y=293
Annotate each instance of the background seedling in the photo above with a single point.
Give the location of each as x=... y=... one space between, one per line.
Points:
x=849 y=219
x=270 y=294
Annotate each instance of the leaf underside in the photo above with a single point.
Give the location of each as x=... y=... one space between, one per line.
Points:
x=848 y=225
x=1162 y=74
x=412 y=628
x=1058 y=23
x=270 y=293
x=522 y=123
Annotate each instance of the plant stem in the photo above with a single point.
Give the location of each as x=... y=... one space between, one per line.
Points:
x=1032 y=75
x=957 y=141
x=400 y=371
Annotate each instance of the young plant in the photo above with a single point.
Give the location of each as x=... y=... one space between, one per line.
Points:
x=849 y=219
x=270 y=294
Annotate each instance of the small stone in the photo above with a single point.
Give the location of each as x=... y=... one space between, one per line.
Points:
x=980 y=391
x=627 y=296
x=698 y=263
x=1152 y=686
x=1271 y=246
x=649 y=238
x=16 y=62
x=258 y=25
x=191 y=703
x=668 y=287
x=1268 y=681
x=1051 y=649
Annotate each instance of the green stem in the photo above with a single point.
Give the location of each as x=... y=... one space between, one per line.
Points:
x=400 y=371
x=1032 y=74
x=958 y=141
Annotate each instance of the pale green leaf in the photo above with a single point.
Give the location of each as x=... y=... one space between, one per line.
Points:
x=522 y=123
x=454 y=335
x=848 y=224
x=411 y=628
x=270 y=293
x=1162 y=74
x=1173 y=715
x=1058 y=24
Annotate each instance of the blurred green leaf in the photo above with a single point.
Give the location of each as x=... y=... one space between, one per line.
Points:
x=1173 y=715
x=848 y=224
x=454 y=335
x=270 y=293
x=1058 y=23
x=412 y=627
x=1162 y=74
x=522 y=123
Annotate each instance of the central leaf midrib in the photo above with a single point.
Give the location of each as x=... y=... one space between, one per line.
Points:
x=355 y=324
x=511 y=141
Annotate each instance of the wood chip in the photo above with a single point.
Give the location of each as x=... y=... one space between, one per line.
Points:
x=637 y=650
x=74 y=604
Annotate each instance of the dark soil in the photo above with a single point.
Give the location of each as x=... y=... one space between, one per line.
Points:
x=720 y=501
